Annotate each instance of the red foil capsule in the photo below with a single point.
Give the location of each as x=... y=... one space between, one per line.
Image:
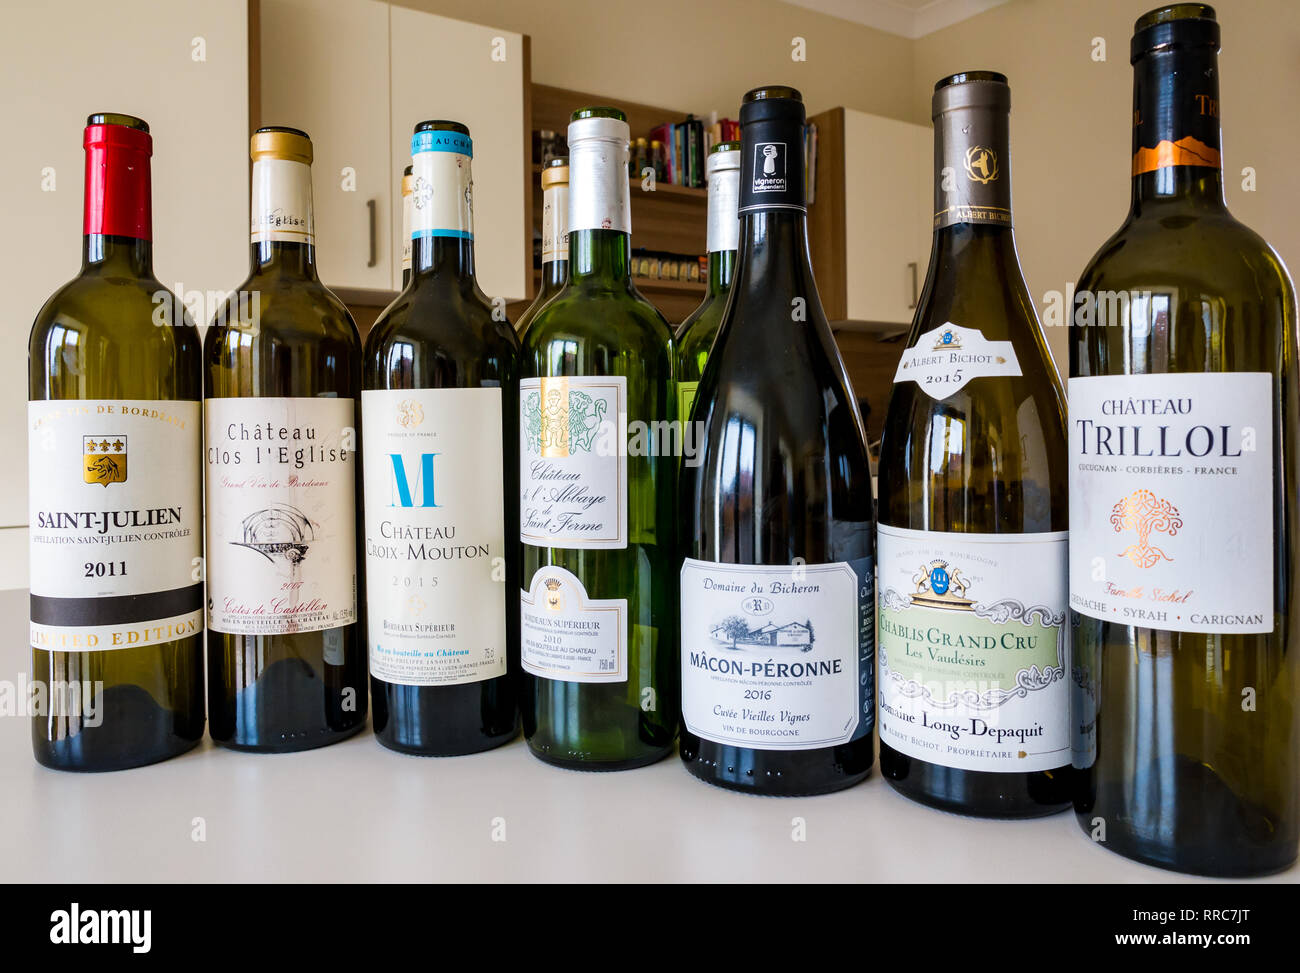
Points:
x=117 y=182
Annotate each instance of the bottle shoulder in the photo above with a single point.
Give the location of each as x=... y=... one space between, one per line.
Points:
x=599 y=321
x=139 y=313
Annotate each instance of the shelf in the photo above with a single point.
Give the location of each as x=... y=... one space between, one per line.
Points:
x=414 y=819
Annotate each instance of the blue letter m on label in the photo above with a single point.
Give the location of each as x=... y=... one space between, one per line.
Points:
x=423 y=481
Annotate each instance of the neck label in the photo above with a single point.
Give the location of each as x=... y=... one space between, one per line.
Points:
x=598 y=183
x=772 y=166
x=724 y=223
x=442 y=190
x=971 y=167
x=281 y=211
x=555 y=224
x=1176 y=110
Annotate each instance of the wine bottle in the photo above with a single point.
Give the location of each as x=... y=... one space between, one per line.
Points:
x=286 y=661
x=555 y=237
x=407 y=179
x=777 y=521
x=439 y=412
x=1183 y=422
x=695 y=335
x=972 y=539
x=599 y=648
x=115 y=489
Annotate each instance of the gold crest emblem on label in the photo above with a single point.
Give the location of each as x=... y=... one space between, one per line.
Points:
x=981 y=164
x=555 y=417
x=103 y=459
x=554 y=594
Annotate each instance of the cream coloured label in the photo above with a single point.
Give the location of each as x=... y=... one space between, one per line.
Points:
x=947 y=358
x=115 y=514
x=776 y=657
x=723 y=231
x=572 y=461
x=282 y=202
x=555 y=224
x=567 y=635
x=435 y=535
x=281 y=514
x=406 y=230
x=1171 y=500
x=973 y=648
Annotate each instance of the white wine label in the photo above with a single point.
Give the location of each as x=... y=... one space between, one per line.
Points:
x=116 y=523
x=1171 y=500
x=600 y=192
x=435 y=535
x=282 y=202
x=777 y=657
x=572 y=462
x=555 y=224
x=568 y=636
x=948 y=357
x=282 y=507
x=442 y=190
x=973 y=648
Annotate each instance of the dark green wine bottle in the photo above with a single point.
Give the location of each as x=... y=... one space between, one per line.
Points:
x=695 y=335
x=440 y=412
x=555 y=237
x=972 y=543
x=777 y=589
x=115 y=487
x=599 y=644
x=1183 y=498
x=286 y=656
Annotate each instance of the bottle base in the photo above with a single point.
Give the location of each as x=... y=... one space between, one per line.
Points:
x=599 y=766
x=483 y=745
x=293 y=746
x=778 y=789
x=46 y=759
x=1010 y=811
x=1183 y=860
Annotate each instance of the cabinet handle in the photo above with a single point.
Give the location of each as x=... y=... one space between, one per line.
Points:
x=373 y=205
x=915 y=296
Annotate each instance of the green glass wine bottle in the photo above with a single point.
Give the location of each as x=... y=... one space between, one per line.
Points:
x=286 y=656
x=1183 y=498
x=555 y=238
x=777 y=522
x=599 y=610
x=440 y=455
x=972 y=542
x=115 y=487
x=695 y=335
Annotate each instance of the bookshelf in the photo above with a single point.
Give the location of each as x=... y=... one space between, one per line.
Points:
x=670 y=218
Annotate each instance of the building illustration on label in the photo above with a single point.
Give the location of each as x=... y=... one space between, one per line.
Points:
x=735 y=631
x=1144 y=512
x=938 y=587
x=280 y=533
x=981 y=164
x=562 y=427
x=103 y=459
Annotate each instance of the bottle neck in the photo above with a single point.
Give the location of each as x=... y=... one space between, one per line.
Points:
x=972 y=161
x=1177 y=143
x=555 y=274
x=599 y=257
x=117 y=228
x=773 y=261
x=722 y=267
x=282 y=230
x=442 y=209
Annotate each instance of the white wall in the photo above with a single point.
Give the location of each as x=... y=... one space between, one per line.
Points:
x=58 y=64
x=1070 y=131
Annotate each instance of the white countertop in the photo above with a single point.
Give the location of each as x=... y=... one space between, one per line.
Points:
x=356 y=812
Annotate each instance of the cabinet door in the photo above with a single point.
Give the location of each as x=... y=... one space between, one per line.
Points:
x=183 y=68
x=325 y=71
x=449 y=69
x=888 y=201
